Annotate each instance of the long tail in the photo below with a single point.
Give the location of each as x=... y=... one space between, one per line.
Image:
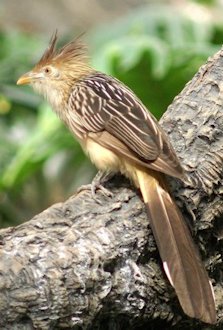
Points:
x=181 y=260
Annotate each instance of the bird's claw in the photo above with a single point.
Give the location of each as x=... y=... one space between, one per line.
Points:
x=97 y=184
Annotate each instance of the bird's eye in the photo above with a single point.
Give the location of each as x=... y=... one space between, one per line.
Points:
x=51 y=71
x=47 y=70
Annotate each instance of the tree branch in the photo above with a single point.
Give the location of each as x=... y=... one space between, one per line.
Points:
x=81 y=264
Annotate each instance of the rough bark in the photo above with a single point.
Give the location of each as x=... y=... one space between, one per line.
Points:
x=81 y=264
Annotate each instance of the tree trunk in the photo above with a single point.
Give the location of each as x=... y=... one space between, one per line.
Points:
x=81 y=264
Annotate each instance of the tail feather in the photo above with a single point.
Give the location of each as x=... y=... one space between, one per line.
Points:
x=181 y=260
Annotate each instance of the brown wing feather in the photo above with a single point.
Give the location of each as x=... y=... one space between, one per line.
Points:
x=101 y=103
x=110 y=142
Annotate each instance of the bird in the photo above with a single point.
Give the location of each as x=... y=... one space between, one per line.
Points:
x=120 y=135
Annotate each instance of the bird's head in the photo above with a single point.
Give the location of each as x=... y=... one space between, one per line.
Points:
x=57 y=70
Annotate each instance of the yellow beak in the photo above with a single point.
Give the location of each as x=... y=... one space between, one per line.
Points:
x=29 y=77
x=25 y=78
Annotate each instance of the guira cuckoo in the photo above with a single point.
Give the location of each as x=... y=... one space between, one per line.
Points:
x=119 y=134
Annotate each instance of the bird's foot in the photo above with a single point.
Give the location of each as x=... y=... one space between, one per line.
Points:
x=98 y=184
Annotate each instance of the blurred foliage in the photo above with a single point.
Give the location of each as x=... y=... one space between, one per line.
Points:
x=154 y=50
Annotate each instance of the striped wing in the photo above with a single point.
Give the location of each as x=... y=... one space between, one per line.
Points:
x=102 y=103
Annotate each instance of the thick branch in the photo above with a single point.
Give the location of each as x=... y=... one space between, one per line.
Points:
x=82 y=264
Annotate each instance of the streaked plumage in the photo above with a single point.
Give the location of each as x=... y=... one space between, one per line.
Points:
x=101 y=103
x=119 y=134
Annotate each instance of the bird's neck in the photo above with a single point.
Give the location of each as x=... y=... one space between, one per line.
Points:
x=54 y=96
